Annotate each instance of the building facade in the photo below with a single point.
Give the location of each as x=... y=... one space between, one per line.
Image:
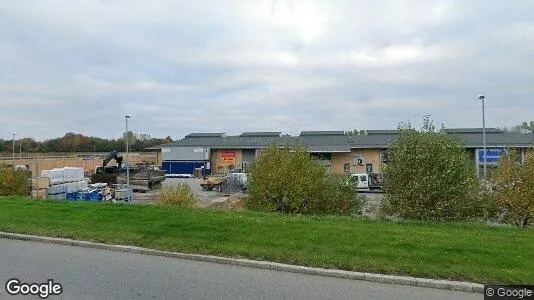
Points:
x=217 y=153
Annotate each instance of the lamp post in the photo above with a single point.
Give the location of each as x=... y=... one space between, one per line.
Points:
x=482 y=98
x=14 y=148
x=126 y=137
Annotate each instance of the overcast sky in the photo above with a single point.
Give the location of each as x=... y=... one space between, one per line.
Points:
x=231 y=66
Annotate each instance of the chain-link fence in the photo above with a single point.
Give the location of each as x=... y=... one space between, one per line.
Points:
x=233 y=183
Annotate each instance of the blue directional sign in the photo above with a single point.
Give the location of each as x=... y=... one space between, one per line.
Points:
x=492 y=156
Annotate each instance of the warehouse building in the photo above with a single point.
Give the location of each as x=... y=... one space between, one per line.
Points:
x=217 y=153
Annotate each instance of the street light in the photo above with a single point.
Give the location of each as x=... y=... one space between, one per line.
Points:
x=482 y=98
x=127 y=162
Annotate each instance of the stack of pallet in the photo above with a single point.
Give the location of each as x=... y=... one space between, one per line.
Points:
x=39 y=186
x=63 y=181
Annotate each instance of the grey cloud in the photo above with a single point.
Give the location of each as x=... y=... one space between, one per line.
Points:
x=287 y=65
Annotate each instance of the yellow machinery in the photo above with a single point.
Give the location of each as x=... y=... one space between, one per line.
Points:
x=212 y=182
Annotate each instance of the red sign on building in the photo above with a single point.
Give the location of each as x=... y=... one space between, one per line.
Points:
x=228 y=157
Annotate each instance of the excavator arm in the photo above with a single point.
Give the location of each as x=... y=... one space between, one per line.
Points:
x=113 y=155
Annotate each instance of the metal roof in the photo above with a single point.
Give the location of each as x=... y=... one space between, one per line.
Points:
x=503 y=139
x=472 y=130
x=205 y=134
x=340 y=143
x=320 y=133
x=380 y=131
x=258 y=134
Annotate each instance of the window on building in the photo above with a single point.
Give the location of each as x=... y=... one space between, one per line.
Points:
x=346 y=168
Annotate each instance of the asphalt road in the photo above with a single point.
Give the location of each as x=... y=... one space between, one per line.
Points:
x=101 y=274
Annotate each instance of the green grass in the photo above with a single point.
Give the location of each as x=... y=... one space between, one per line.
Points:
x=474 y=252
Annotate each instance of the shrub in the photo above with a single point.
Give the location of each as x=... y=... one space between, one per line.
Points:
x=178 y=195
x=291 y=182
x=430 y=177
x=13 y=182
x=513 y=190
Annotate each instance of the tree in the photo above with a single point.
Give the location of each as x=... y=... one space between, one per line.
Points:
x=12 y=182
x=291 y=182
x=430 y=177
x=528 y=126
x=74 y=142
x=514 y=189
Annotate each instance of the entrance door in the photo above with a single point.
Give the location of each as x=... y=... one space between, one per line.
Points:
x=248 y=157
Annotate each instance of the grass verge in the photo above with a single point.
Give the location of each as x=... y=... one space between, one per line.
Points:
x=473 y=252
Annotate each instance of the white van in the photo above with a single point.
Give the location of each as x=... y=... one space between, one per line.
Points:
x=361 y=180
x=365 y=181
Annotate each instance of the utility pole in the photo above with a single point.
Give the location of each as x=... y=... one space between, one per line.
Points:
x=14 y=149
x=482 y=99
x=126 y=137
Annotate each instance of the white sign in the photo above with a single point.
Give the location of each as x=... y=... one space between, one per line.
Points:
x=198 y=150
x=166 y=150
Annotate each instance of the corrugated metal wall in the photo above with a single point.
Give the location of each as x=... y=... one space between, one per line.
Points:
x=185 y=153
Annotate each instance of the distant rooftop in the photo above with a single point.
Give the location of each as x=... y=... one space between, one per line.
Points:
x=205 y=134
x=337 y=141
x=380 y=131
x=260 y=134
x=472 y=130
x=316 y=133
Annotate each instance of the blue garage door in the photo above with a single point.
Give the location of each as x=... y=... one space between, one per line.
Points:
x=181 y=167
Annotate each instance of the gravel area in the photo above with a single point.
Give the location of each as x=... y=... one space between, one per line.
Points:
x=209 y=197
x=206 y=197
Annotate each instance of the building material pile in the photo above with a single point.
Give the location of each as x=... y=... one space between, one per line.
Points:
x=39 y=186
x=63 y=181
x=70 y=184
x=142 y=178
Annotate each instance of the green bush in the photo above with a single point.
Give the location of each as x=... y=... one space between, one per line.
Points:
x=430 y=177
x=291 y=182
x=13 y=182
x=178 y=195
x=513 y=190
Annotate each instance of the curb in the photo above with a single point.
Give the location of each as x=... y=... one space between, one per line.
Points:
x=391 y=279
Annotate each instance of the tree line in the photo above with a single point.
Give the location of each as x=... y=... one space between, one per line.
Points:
x=74 y=142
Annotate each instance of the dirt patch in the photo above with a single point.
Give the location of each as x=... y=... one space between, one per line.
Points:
x=234 y=203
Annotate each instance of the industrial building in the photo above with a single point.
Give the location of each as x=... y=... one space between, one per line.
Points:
x=218 y=153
